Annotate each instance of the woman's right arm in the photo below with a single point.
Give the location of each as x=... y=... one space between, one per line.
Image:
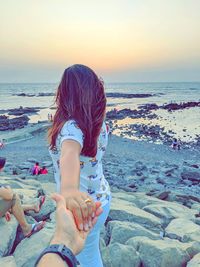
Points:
x=70 y=180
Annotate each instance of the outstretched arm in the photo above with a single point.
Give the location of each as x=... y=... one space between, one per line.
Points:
x=70 y=180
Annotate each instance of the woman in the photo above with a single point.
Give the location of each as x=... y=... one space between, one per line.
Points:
x=78 y=139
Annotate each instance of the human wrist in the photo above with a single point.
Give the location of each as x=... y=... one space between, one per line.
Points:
x=58 y=239
x=56 y=255
x=69 y=189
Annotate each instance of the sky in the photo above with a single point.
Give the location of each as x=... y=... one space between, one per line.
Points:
x=122 y=40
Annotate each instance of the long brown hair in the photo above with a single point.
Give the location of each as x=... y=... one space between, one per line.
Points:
x=80 y=96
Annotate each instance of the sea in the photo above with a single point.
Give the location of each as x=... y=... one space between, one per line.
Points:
x=185 y=123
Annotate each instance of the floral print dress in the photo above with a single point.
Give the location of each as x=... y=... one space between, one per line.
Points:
x=92 y=180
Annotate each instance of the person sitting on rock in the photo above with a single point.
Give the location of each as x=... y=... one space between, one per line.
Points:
x=43 y=170
x=2 y=163
x=36 y=169
x=10 y=202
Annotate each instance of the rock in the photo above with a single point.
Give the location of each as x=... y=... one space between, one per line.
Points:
x=19 y=233
x=192 y=176
x=12 y=124
x=46 y=94
x=120 y=232
x=137 y=199
x=183 y=230
x=162 y=253
x=7 y=234
x=123 y=255
x=169 y=210
x=195 y=262
x=32 y=160
x=23 y=94
x=29 y=249
x=196 y=166
x=25 y=166
x=21 y=111
x=175 y=106
x=164 y=195
x=196 y=206
x=47 y=164
x=16 y=170
x=123 y=95
x=48 y=207
x=121 y=210
x=8 y=262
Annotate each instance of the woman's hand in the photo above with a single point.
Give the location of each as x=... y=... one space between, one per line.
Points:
x=82 y=206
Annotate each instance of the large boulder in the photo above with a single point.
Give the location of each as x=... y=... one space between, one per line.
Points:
x=122 y=210
x=8 y=262
x=120 y=232
x=163 y=253
x=183 y=230
x=29 y=249
x=123 y=255
x=7 y=235
x=48 y=207
x=137 y=199
x=195 y=262
x=170 y=210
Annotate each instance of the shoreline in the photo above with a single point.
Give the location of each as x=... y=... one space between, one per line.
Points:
x=145 y=118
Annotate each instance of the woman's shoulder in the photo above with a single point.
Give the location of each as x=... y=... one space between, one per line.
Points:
x=71 y=130
x=70 y=125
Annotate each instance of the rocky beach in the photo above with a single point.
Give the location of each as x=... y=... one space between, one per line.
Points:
x=155 y=214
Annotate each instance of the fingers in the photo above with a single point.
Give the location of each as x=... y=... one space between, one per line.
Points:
x=99 y=211
x=78 y=217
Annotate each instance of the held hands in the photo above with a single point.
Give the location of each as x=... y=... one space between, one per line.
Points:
x=82 y=206
x=66 y=231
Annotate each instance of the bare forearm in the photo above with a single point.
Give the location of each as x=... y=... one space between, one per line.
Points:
x=70 y=172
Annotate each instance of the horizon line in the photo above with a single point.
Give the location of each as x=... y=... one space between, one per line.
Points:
x=104 y=82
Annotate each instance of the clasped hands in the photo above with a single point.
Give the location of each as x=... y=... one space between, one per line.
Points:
x=82 y=207
x=69 y=221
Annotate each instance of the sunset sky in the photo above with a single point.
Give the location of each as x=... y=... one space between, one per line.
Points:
x=123 y=41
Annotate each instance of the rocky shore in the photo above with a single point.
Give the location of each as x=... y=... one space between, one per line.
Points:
x=155 y=214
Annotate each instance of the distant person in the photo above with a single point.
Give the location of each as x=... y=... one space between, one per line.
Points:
x=51 y=117
x=178 y=144
x=2 y=163
x=109 y=130
x=174 y=143
x=10 y=203
x=43 y=170
x=36 y=169
x=115 y=110
x=2 y=144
